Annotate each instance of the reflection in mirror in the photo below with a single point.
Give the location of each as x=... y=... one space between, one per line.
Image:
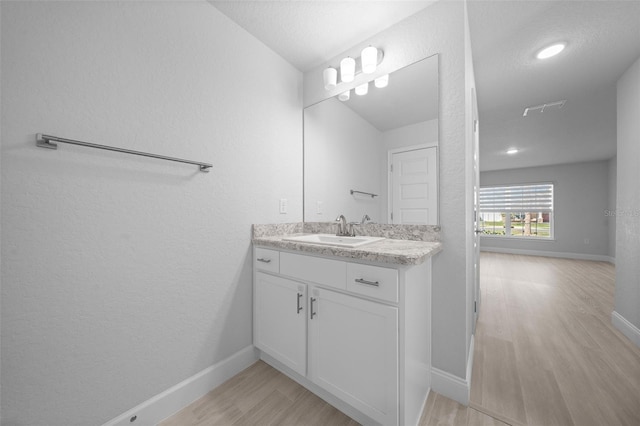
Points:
x=349 y=148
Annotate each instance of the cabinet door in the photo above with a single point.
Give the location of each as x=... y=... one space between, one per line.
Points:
x=280 y=326
x=353 y=352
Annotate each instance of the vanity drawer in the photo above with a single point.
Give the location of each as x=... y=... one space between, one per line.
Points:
x=373 y=281
x=328 y=272
x=266 y=260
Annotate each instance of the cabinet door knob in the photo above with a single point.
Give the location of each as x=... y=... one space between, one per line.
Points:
x=362 y=281
x=299 y=306
x=313 y=299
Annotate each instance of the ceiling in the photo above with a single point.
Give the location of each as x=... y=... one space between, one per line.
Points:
x=603 y=40
x=308 y=33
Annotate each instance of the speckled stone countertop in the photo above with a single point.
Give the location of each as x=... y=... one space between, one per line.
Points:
x=399 y=251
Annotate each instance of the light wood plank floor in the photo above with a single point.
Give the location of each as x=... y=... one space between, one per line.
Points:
x=545 y=354
x=545 y=350
x=260 y=395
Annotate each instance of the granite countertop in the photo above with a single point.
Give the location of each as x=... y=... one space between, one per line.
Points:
x=395 y=251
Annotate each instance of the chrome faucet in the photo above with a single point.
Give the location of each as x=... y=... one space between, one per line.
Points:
x=343 y=230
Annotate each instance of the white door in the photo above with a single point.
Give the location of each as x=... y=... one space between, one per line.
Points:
x=280 y=326
x=414 y=187
x=476 y=212
x=353 y=352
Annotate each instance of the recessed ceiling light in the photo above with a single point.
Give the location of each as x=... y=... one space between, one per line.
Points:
x=512 y=151
x=550 y=51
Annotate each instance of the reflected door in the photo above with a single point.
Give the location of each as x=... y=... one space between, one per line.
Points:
x=414 y=187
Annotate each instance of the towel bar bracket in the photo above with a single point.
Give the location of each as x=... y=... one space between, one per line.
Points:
x=45 y=143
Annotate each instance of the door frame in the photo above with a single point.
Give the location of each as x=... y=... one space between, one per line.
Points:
x=390 y=154
x=477 y=297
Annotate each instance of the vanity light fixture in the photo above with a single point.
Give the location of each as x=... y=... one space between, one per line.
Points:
x=344 y=96
x=381 y=82
x=347 y=69
x=367 y=63
x=512 y=151
x=550 y=51
x=363 y=89
x=330 y=77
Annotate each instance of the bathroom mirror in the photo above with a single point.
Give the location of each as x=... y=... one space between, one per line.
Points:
x=349 y=147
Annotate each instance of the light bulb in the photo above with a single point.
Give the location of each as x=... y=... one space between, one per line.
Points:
x=383 y=81
x=369 y=58
x=363 y=89
x=347 y=69
x=344 y=96
x=330 y=77
x=550 y=51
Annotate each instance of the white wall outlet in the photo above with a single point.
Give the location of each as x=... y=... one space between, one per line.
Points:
x=319 y=207
x=283 y=206
x=586 y=241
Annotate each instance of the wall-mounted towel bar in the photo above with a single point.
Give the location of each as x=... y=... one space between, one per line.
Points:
x=365 y=193
x=46 y=141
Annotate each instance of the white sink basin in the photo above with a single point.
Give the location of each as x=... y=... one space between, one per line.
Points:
x=334 y=240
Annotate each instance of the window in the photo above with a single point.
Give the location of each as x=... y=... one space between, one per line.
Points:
x=517 y=210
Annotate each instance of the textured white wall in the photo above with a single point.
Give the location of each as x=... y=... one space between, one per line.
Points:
x=425 y=132
x=341 y=153
x=121 y=275
x=439 y=28
x=471 y=177
x=627 y=294
x=581 y=198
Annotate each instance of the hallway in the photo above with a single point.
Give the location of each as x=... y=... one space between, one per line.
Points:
x=546 y=352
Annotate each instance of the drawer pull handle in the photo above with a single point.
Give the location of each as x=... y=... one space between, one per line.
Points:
x=373 y=283
x=313 y=299
x=299 y=306
x=260 y=259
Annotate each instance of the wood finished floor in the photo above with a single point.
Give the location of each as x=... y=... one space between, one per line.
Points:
x=545 y=350
x=545 y=354
x=261 y=395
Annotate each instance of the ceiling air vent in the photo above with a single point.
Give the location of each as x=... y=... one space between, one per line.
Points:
x=543 y=107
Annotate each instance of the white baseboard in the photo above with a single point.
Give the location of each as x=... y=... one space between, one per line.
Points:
x=169 y=402
x=454 y=387
x=626 y=328
x=564 y=255
x=451 y=386
x=472 y=346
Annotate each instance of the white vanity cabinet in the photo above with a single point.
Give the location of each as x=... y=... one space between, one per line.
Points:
x=347 y=331
x=353 y=352
x=281 y=326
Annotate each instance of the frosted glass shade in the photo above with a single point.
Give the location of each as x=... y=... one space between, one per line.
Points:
x=344 y=96
x=369 y=57
x=383 y=81
x=363 y=89
x=550 y=51
x=330 y=77
x=347 y=69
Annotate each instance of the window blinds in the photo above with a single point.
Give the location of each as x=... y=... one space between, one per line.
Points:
x=516 y=198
